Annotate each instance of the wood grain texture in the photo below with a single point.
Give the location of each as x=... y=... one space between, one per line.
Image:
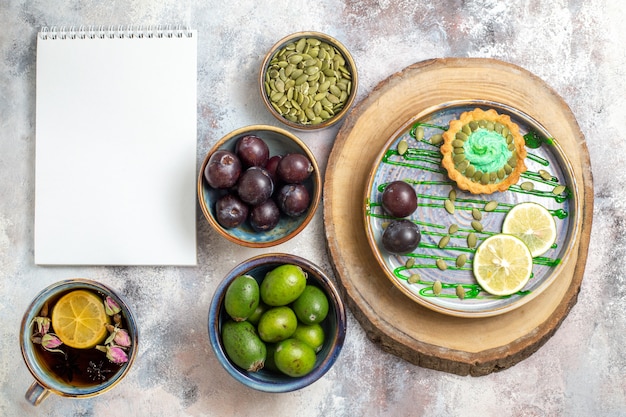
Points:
x=397 y=324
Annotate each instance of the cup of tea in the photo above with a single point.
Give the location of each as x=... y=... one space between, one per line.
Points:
x=78 y=339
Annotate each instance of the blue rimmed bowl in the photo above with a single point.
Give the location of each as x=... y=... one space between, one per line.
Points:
x=334 y=324
x=280 y=142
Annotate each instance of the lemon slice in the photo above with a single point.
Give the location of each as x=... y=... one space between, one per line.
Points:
x=79 y=319
x=532 y=223
x=502 y=264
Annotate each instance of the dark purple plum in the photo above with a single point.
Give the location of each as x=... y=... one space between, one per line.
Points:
x=265 y=216
x=293 y=199
x=272 y=165
x=399 y=199
x=401 y=236
x=255 y=186
x=252 y=150
x=294 y=168
x=230 y=211
x=223 y=169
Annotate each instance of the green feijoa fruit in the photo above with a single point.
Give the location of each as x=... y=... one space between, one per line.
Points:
x=311 y=334
x=276 y=324
x=258 y=312
x=282 y=285
x=312 y=305
x=294 y=357
x=270 y=363
x=243 y=346
x=242 y=297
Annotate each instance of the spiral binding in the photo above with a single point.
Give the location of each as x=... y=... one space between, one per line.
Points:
x=114 y=32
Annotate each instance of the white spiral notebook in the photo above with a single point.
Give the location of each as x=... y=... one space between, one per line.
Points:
x=115 y=172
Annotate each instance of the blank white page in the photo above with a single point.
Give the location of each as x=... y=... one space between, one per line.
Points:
x=116 y=150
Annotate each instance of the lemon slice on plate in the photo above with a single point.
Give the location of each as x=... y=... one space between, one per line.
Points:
x=79 y=319
x=532 y=223
x=502 y=264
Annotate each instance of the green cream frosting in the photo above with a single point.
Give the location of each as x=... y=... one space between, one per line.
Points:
x=487 y=150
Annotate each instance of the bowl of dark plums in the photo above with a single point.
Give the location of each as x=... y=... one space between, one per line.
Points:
x=259 y=186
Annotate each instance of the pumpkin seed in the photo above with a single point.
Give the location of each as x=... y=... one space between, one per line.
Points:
x=458 y=143
x=545 y=175
x=476 y=214
x=419 y=133
x=461 y=136
x=472 y=240
x=452 y=195
x=453 y=228
x=414 y=278
x=470 y=171
x=559 y=189
x=467 y=130
x=463 y=165
x=436 y=139
x=449 y=206
x=410 y=262
x=484 y=178
x=527 y=186
x=441 y=264
x=460 y=291
x=460 y=260
x=437 y=287
x=458 y=158
x=476 y=225
x=402 y=147
x=473 y=125
x=443 y=242
x=490 y=206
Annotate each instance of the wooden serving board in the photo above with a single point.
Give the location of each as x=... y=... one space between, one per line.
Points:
x=474 y=346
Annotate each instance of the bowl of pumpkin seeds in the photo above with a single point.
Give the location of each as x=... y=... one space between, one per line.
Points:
x=308 y=80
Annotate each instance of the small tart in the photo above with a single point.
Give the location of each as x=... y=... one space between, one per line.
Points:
x=483 y=151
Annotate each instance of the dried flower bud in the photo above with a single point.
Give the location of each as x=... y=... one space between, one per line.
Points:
x=114 y=353
x=42 y=325
x=51 y=342
x=118 y=336
x=111 y=306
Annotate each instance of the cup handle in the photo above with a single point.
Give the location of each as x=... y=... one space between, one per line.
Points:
x=36 y=393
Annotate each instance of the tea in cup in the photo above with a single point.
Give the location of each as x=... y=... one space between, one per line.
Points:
x=78 y=339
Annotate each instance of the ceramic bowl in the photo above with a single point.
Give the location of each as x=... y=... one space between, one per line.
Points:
x=287 y=101
x=280 y=142
x=334 y=324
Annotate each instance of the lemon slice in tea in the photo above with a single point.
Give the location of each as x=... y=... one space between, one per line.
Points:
x=502 y=264
x=79 y=319
x=532 y=223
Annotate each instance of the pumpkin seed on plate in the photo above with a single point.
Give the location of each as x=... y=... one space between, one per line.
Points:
x=437 y=287
x=441 y=264
x=460 y=291
x=414 y=278
x=491 y=206
x=476 y=225
x=449 y=206
x=460 y=260
x=403 y=146
x=472 y=240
